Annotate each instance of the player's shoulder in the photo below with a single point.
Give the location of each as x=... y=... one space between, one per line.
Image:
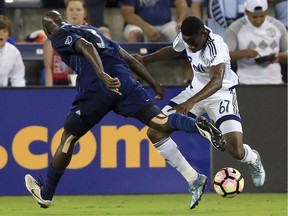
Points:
x=215 y=45
x=214 y=40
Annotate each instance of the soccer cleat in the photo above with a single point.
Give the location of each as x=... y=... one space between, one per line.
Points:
x=210 y=132
x=197 y=188
x=257 y=171
x=34 y=187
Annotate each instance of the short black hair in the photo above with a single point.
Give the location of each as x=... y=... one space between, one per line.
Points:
x=191 y=26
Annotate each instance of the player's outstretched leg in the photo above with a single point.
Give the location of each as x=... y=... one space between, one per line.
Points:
x=257 y=171
x=210 y=132
x=34 y=187
x=197 y=188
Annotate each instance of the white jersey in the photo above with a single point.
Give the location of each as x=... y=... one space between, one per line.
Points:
x=270 y=37
x=213 y=53
x=11 y=66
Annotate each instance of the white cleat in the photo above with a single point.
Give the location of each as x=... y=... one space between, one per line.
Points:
x=34 y=187
x=257 y=171
x=197 y=188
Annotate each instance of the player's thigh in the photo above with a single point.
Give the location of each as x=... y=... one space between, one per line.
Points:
x=88 y=109
x=138 y=104
x=129 y=28
x=223 y=109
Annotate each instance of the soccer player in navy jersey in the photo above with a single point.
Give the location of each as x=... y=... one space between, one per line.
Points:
x=104 y=84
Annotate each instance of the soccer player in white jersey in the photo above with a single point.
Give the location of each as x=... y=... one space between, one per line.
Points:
x=212 y=91
x=254 y=35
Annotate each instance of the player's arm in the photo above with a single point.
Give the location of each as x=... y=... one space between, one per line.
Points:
x=162 y=54
x=142 y=72
x=216 y=76
x=91 y=54
x=215 y=83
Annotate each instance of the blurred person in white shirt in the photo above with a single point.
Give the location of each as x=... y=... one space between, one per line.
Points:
x=12 y=69
x=257 y=35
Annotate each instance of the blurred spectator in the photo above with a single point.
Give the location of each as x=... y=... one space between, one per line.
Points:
x=12 y=69
x=220 y=13
x=281 y=13
x=151 y=20
x=56 y=70
x=96 y=10
x=196 y=8
x=281 y=10
x=37 y=36
x=257 y=35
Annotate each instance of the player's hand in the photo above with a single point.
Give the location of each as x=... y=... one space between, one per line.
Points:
x=111 y=83
x=183 y=108
x=159 y=90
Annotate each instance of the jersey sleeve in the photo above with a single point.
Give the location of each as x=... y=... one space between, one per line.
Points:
x=179 y=44
x=64 y=40
x=217 y=53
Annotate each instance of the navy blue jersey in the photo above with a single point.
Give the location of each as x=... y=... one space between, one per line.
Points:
x=63 y=42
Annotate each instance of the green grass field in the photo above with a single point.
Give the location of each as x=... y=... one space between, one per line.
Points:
x=258 y=204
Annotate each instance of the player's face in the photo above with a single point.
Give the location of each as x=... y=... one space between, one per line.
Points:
x=196 y=42
x=256 y=19
x=75 y=13
x=51 y=23
x=50 y=29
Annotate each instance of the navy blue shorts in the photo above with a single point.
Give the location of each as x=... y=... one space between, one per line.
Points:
x=91 y=107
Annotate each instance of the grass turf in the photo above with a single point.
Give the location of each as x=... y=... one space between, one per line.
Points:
x=257 y=204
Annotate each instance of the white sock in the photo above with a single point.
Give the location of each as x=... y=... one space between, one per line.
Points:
x=169 y=150
x=250 y=156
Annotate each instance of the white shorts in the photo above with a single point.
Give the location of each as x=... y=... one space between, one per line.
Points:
x=167 y=31
x=221 y=107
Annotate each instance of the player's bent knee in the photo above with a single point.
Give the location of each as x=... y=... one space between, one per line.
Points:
x=160 y=123
x=75 y=125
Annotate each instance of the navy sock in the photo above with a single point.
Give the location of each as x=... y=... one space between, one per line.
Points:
x=53 y=178
x=182 y=122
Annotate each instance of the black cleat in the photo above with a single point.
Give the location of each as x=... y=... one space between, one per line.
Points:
x=210 y=132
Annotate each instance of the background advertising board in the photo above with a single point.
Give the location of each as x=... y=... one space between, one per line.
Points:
x=115 y=157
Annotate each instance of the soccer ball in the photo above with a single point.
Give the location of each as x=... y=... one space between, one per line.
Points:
x=228 y=182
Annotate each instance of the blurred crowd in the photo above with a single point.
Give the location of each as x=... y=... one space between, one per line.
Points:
x=257 y=40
